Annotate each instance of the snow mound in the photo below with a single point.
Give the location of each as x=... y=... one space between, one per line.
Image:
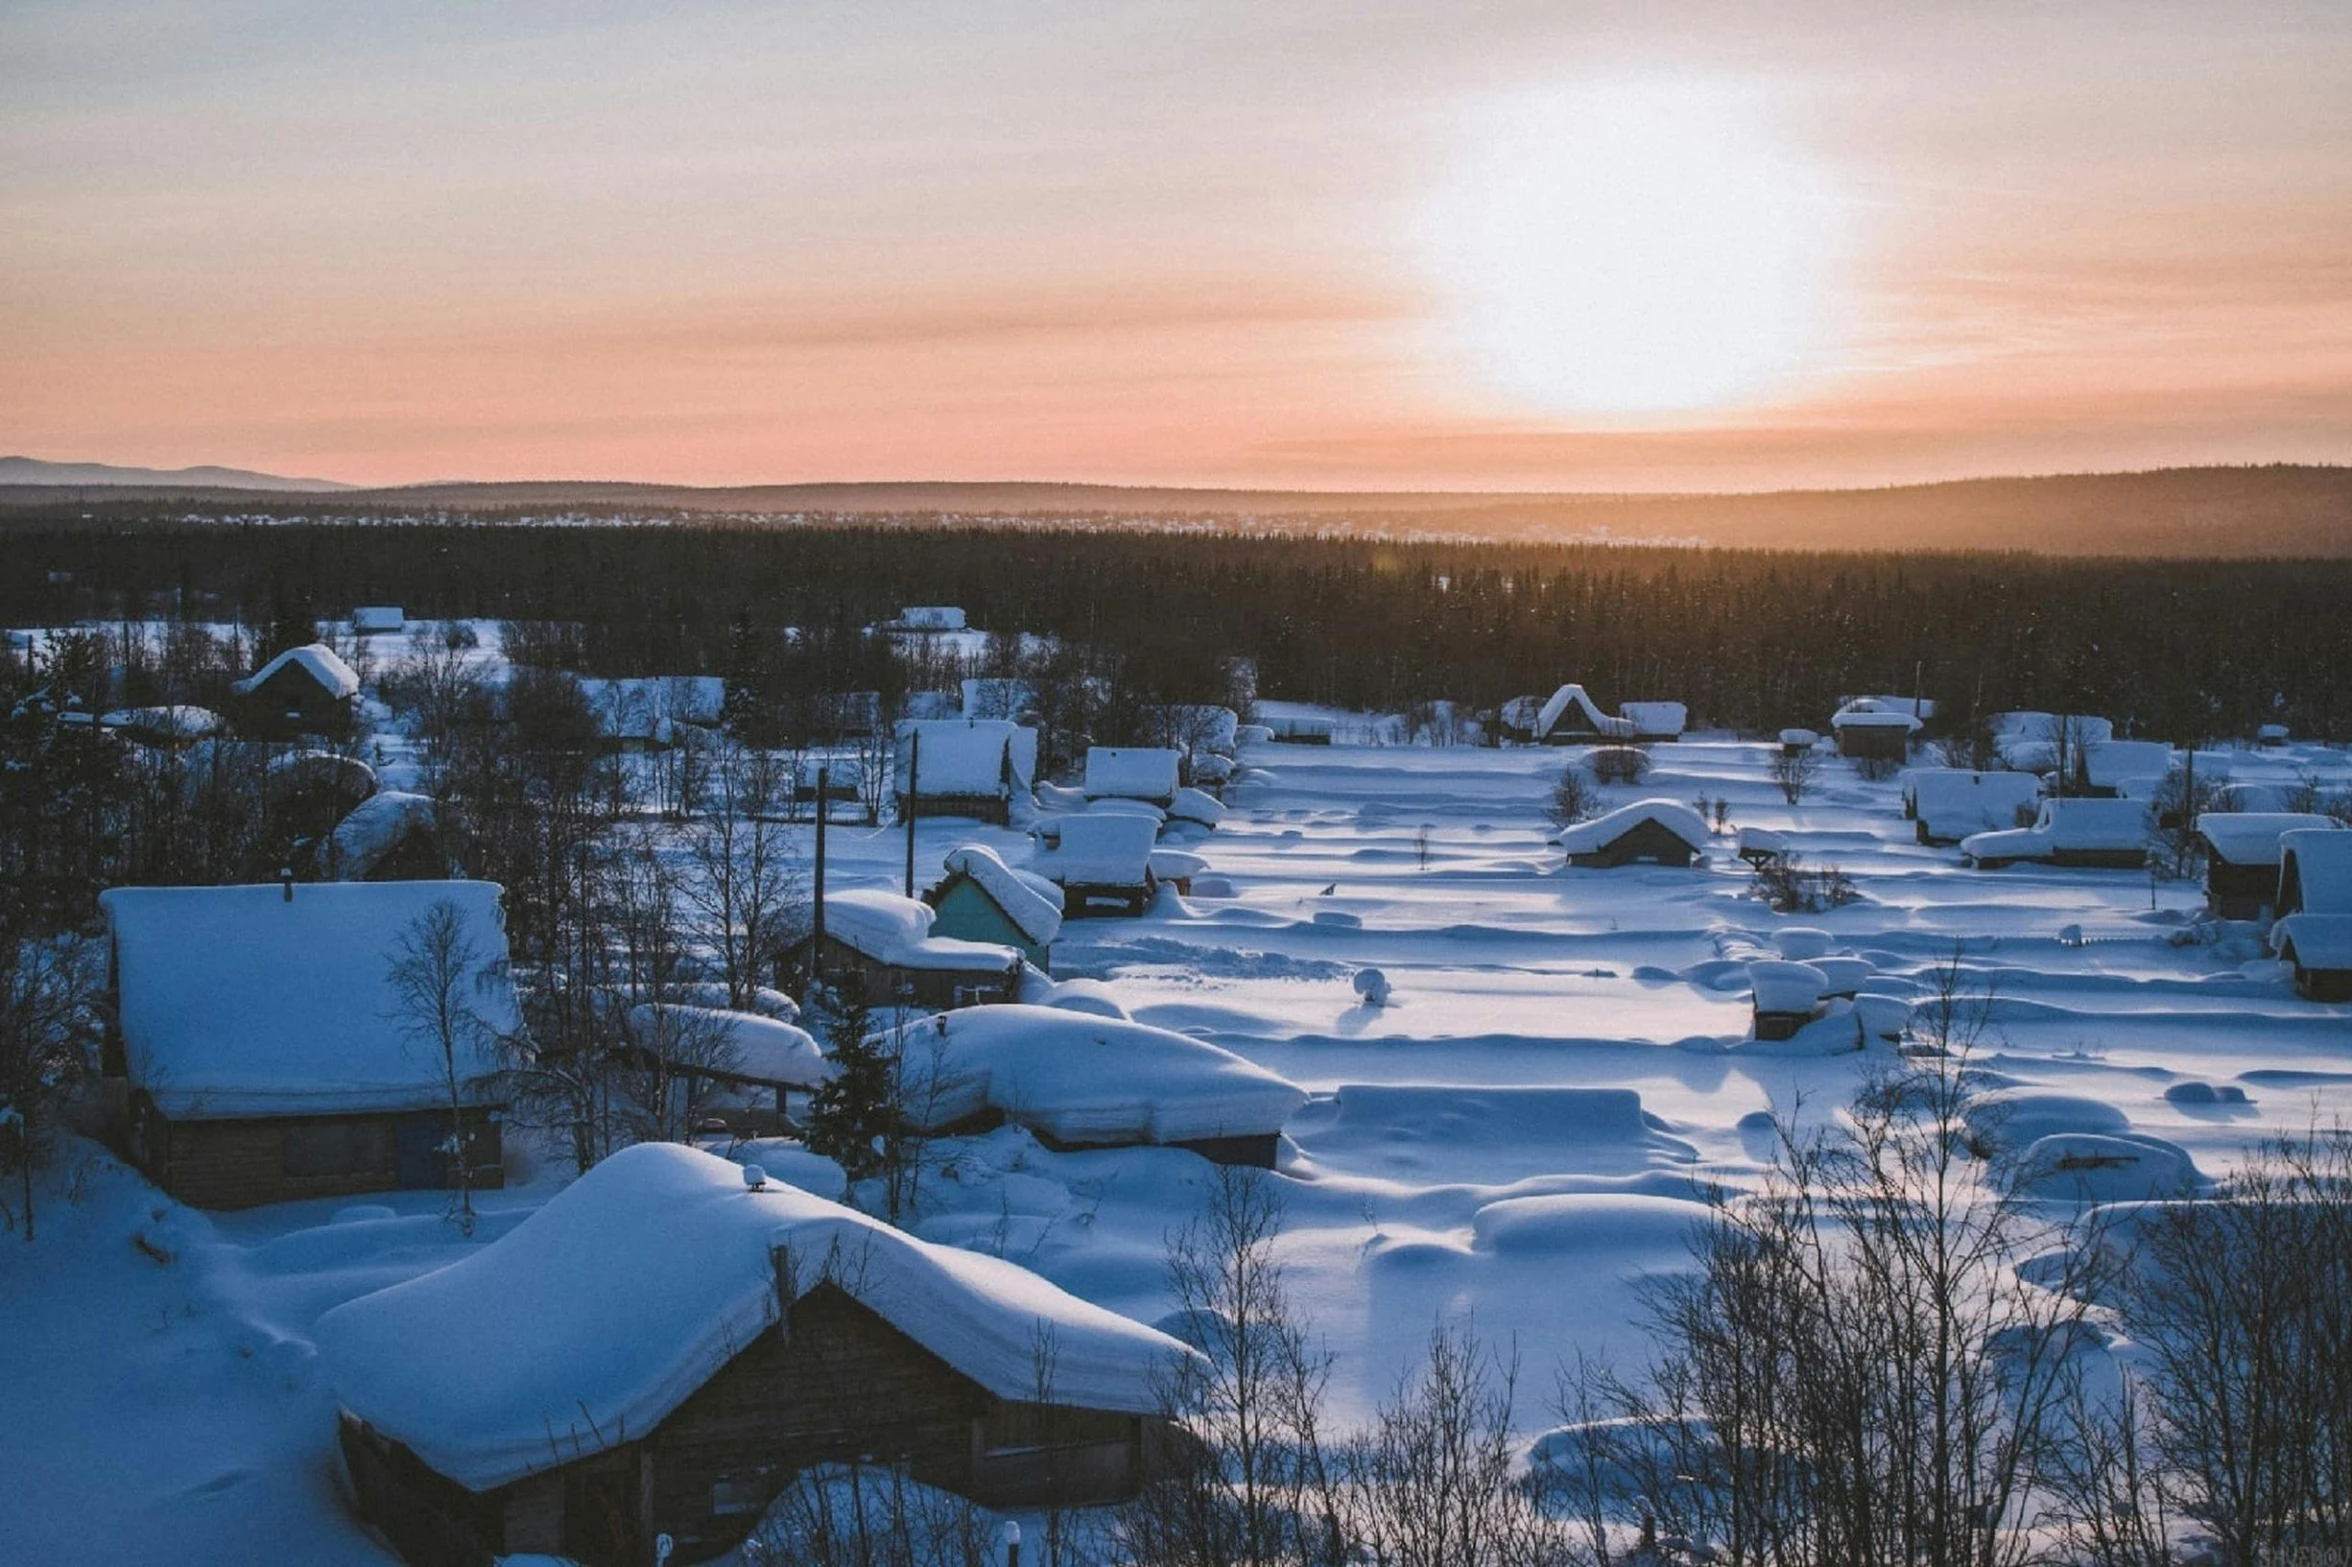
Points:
x=1802 y=943
x=374 y=829
x=1786 y=987
x=2088 y=1167
x=2019 y=1118
x=1196 y=806
x=1080 y=1079
x=1372 y=985
x=749 y=1045
x=596 y=1317
x=1587 y=1224
x=1132 y=773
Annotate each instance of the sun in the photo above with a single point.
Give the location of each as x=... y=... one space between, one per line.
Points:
x=1632 y=249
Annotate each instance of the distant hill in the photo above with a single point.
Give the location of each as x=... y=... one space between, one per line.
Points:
x=2272 y=511
x=33 y=471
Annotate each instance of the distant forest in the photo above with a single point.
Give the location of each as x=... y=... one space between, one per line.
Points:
x=1752 y=640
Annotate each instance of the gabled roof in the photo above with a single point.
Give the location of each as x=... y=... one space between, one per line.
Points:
x=1032 y=903
x=896 y=931
x=317 y=661
x=2316 y=941
x=373 y=830
x=592 y=1320
x=1676 y=817
x=2254 y=837
x=2320 y=864
x=1600 y=723
x=238 y=1002
x=1870 y=712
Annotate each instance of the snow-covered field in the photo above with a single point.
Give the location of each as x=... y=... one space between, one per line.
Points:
x=1520 y=1134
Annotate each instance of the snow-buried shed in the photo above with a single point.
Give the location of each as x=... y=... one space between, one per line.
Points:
x=1647 y=832
x=2243 y=851
x=1076 y=1080
x=260 y=1054
x=981 y=898
x=662 y=1347
x=304 y=690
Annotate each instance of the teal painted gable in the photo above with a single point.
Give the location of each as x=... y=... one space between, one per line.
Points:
x=969 y=914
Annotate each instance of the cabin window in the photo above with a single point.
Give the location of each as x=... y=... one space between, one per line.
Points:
x=740 y=1491
x=337 y=1147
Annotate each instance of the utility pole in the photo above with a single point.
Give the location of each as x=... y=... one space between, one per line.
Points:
x=817 y=918
x=906 y=805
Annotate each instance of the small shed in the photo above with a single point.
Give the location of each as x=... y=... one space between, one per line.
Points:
x=1285 y=729
x=667 y=1343
x=1870 y=728
x=389 y=836
x=371 y=620
x=1655 y=721
x=1947 y=804
x=2112 y=768
x=1647 y=832
x=2078 y=831
x=885 y=946
x=2320 y=948
x=1787 y=996
x=2271 y=736
x=2315 y=872
x=259 y=1052
x=964 y=767
x=928 y=619
x=2243 y=851
x=1796 y=742
x=755 y=1062
x=1077 y=1080
x=1102 y=862
x=1132 y=772
x=983 y=899
x=303 y=691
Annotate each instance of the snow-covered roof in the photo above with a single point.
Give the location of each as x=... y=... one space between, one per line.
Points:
x=1656 y=718
x=236 y=1001
x=2092 y=826
x=298 y=770
x=2322 y=941
x=897 y=931
x=1192 y=805
x=1035 y=910
x=2253 y=837
x=1781 y=986
x=1871 y=712
x=372 y=830
x=1762 y=840
x=181 y=721
x=2108 y=763
x=378 y=617
x=1676 y=817
x=1176 y=864
x=316 y=660
x=1131 y=772
x=1079 y=1078
x=593 y=1319
x=2323 y=868
x=1600 y=723
x=765 y=1049
x=1799 y=737
x=1953 y=803
x=1925 y=705
x=1102 y=849
x=966 y=756
x=931 y=617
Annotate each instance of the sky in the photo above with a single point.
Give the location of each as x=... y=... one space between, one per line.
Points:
x=1512 y=246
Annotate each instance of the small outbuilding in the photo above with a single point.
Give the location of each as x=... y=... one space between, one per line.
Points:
x=983 y=899
x=1647 y=832
x=964 y=767
x=1787 y=997
x=372 y=620
x=1870 y=728
x=260 y=1053
x=2115 y=768
x=1947 y=804
x=2243 y=854
x=1102 y=861
x=2314 y=930
x=389 y=836
x=927 y=620
x=672 y=1339
x=2110 y=834
x=305 y=690
x=1133 y=772
x=884 y=946
x=1077 y=1080
x=753 y=1063
x=1658 y=722
x=1569 y=716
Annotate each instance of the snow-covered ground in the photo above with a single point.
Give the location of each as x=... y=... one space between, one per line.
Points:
x=1521 y=1133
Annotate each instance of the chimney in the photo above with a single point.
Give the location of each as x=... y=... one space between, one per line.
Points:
x=286 y=880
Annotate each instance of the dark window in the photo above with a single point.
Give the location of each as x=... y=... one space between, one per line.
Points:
x=742 y=1491
x=352 y=1146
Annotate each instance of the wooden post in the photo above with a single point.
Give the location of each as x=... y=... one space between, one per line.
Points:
x=817 y=914
x=914 y=772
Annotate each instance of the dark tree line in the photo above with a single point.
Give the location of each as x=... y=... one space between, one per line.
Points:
x=1749 y=639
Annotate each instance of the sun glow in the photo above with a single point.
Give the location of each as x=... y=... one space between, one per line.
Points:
x=1632 y=249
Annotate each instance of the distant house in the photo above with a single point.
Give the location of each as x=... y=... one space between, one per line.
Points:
x=303 y=691
x=2072 y=831
x=925 y=620
x=1571 y=717
x=389 y=836
x=2271 y=736
x=2114 y=768
x=1285 y=729
x=964 y=767
x=1948 y=804
x=885 y=947
x=983 y=899
x=1076 y=1080
x=2314 y=929
x=1102 y=861
x=1129 y=772
x=259 y=1053
x=671 y=1340
x=377 y=619
x=1870 y=728
x=1647 y=832
x=1655 y=721
x=2243 y=851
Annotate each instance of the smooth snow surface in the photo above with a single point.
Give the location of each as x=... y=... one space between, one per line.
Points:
x=1132 y=773
x=601 y=1312
x=237 y=1001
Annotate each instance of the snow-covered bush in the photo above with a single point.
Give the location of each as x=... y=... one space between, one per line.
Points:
x=1619 y=764
x=1788 y=886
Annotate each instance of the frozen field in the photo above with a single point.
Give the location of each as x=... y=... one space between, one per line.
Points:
x=1520 y=1135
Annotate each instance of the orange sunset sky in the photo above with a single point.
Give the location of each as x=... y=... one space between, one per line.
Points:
x=1525 y=246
